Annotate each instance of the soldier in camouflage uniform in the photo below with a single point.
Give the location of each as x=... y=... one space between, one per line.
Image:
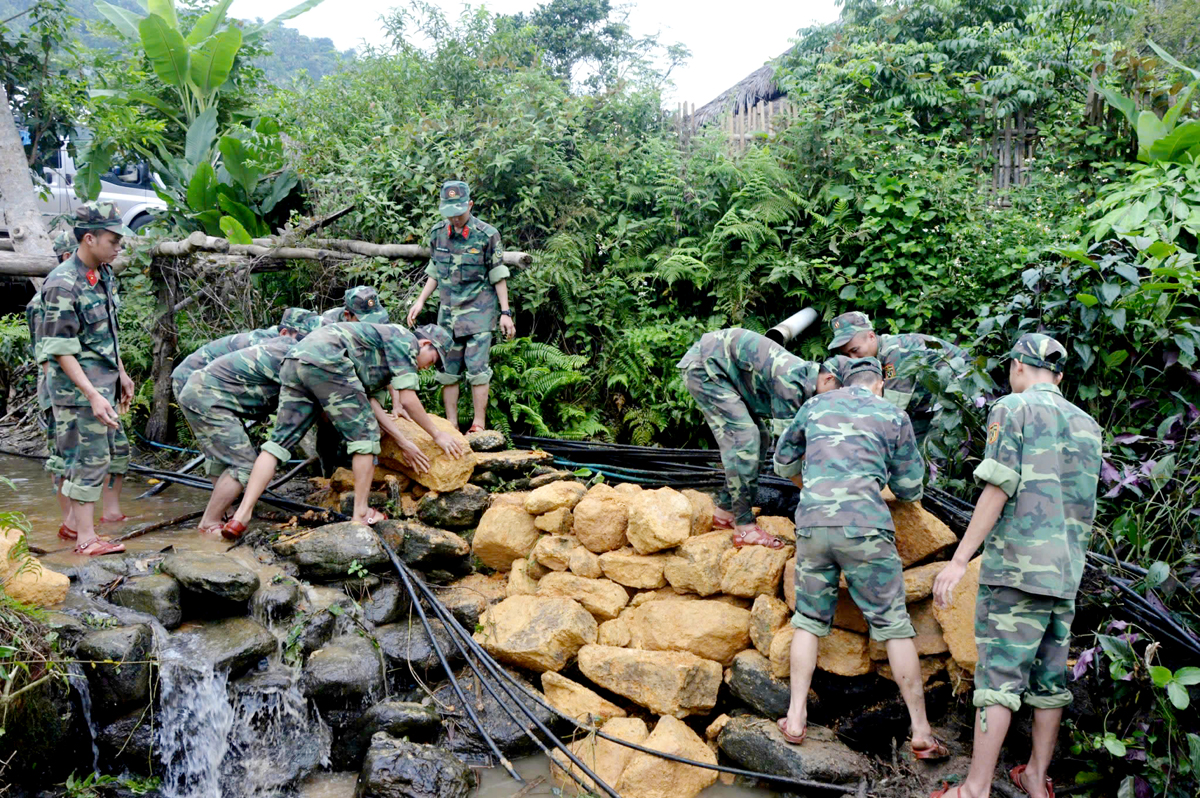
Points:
x=297 y=319
x=361 y=304
x=748 y=388
x=848 y=444
x=466 y=265
x=1041 y=464
x=78 y=335
x=344 y=370
x=903 y=357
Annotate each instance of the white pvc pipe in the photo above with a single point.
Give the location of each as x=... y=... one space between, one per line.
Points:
x=792 y=326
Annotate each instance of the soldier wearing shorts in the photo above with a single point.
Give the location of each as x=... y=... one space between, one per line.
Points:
x=748 y=388
x=299 y=319
x=344 y=370
x=466 y=266
x=87 y=382
x=1040 y=467
x=360 y=302
x=903 y=358
x=848 y=444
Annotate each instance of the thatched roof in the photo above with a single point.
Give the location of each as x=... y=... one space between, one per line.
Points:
x=758 y=85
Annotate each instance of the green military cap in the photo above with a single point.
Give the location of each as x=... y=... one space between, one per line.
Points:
x=100 y=216
x=1040 y=351
x=848 y=325
x=64 y=242
x=436 y=335
x=861 y=365
x=364 y=303
x=455 y=196
x=836 y=366
x=301 y=320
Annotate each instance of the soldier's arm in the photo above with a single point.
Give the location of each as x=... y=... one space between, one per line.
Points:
x=415 y=457
x=412 y=403
x=789 y=451
x=983 y=520
x=906 y=469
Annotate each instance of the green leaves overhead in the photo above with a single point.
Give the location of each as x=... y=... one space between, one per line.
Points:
x=208 y=24
x=166 y=49
x=125 y=21
x=212 y=60
x=200 y=137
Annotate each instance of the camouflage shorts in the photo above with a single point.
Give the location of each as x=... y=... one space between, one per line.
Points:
x=1023 y=640
x=90 y=452
x=874 y=575
x=306 y=390
x=741 y=441
x=471 y=350
x=220 y=433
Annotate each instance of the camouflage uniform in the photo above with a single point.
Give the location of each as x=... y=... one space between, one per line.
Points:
x=299 y=319
x=33 y=319
x=1045 y=454
x=849 y=444
x=218 y=398
x=903 y=358
x=466 y=263
x=363 y=302
x=335 y=369
x=79 y=317
x=744 y=382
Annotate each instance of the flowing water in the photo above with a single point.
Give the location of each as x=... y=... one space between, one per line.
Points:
x=79 y=681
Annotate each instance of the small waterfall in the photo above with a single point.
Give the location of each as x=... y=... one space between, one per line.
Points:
x=77 y=677
x=195 y=719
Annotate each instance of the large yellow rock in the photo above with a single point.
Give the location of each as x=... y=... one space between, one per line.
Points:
x=584 y=563
x=918 y=581
x=605 y=758
x=696 y=564
x=709 y=629
x=929 y=639
x=779 y=526
x=516 y=499
x=648 y=776
x=919 y=533
x=958 y=620
x=555 y=522
x=554 y=496
x=767 y=616
x=840 y=652
x=659 y=519
x=665 y=682
x=601 y=519
x=576 y=701
x=554 y=551
x=753 y=570
x=24 y=578
x=789 y=583
x=626 y=567
x=505 y=533
x=613 y=633
x=702 y=511
x=627 y=488
x=541 y=634
x=445 y=472
x=602 y=598
x=522 y=578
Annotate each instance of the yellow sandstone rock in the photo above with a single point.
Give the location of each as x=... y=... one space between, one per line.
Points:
x=521 y=581
x=658 y=519
x=958 y=620
x=24 y=578
x=534 y=632
x=789 y=583
x=584 y=563
x=505 y=533
x=709 y=629
x=696 y=565
x=601 y=519
x=753 y=570
x=555 y=522
x=647 y=776
x=445 y=472
x=919 y=533
x=554 y=551
x=665 y=682
x=840 y=652
x=577 y=701
x=626 y=567
x=553 y=496
x=929 y=640
x=613 y=633
x=779 y=526
x=702 y=511
x=602 y=598
x=605 y=758
x=767 y=616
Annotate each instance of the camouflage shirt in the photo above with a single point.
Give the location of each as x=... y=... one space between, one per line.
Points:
x=381 y=354
x=849 y=443
x=215 y=349
x=467 y=264
x=79 y=317
x=1045 y=453
x=33 y=320
x=251 y=375
x=772 y=381
x=334 y=315
x=904 y=356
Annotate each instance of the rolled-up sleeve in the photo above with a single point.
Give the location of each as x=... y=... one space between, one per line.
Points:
x=789 y=450
x=1001 y=464
x=60 y=324
x=497 y=270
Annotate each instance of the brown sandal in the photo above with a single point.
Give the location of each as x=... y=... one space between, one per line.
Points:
x=66 y=533
x=98 y=547
x=1017 y=775
x=936 y=751
x=794 y=739
x=757 y=536
x=372 y=520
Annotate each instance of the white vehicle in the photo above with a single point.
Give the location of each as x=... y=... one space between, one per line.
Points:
x=130 y=187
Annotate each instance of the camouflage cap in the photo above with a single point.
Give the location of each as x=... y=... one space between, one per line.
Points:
x=861 y=365
x=364 y=303
x=301 y=320
x=836 y=366
x=100 y=216
x=454 y=198
x=848 y=325
x=1040 y=351
x=438 y=336
x=64 y=242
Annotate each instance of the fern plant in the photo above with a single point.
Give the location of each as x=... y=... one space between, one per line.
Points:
x=539 y=388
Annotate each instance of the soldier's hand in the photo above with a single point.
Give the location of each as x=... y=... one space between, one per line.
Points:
x=508 y=327
x=946 y=581
x=414 y=456
x=104 y=412
x=413 y=312
x=449 y=445
x=126 y=389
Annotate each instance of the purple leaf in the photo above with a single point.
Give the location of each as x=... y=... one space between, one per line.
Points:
x=1109 y=472
x=1141 y=788
x=933 y=471
x=1195 y=375
x=1154 y=601
x=1117 y=626
x=1136 y=403
x=980 y=401
x=1136 y=755
x=1129 y=437
x=1148 y=466
x=1170 y=359
x=1130 y=637
x=1081 y=665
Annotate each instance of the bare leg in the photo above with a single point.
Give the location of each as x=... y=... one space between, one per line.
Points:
x=225 y=492
x=978 y=783
x=803 y=663
x=84 y=516
x=260 y=476
x=906 y=666
x=479 y=398
x=1045 y=735
x=112 y=499
x=722 y=515
x=64 y=504
x=450 y=399
x=363 y=466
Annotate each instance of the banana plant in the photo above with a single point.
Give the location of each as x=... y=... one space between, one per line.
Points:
x=1162 y=139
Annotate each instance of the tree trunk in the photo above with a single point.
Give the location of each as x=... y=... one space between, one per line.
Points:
x=166 y=344
x=17 y=203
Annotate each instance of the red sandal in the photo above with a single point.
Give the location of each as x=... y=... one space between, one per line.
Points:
x=936 y=751
x=120 y=520
x=97 y=547
x=757 y=536
x=1017 y=775
x=794 y=739
x=66 y=533
x=233 y=529
x=372 y=520
x=475 y=428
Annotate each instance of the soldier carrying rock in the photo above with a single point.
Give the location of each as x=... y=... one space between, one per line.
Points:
x=848 y=444
x=745 y=382
x=343 y=370
x=1040 y=467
